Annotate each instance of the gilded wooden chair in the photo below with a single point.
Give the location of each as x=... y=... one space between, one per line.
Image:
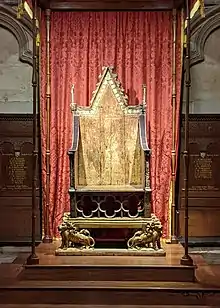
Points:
x=109 y=162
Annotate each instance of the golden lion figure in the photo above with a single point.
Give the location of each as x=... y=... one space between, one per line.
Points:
x=146 y=238
x=71 y=237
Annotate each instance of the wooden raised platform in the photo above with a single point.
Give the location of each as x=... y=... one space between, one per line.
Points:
x=109 y=268
x=104 y=281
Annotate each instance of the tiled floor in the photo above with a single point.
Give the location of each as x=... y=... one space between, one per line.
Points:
x=210 y=254
x=199 y=250
x=7 y=258
x=9 y=253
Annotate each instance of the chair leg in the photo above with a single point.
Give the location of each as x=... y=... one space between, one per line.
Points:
x=73 y=205
x=147 y=208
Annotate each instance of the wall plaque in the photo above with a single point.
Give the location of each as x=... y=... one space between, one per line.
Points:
x=204 y=153
x=16 y=167
x=203 y=168
x=204 y=176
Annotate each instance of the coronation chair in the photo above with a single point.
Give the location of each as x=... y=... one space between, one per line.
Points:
x=109 y=169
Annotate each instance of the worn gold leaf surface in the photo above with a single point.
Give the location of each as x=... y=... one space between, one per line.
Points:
x=109 y=152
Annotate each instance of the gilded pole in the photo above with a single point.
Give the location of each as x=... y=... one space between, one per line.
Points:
x=47 y=237
x=33 y=258
x=173 y=157
x=39 y=117
x=186 y=259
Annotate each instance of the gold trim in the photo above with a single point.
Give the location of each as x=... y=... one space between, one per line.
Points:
x=173 y=209
x=171 y=214
x=47 y=237
x=48 y=102
x=28 y=9
x=20 y=10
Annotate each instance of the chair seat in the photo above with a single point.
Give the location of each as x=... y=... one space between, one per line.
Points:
x=110 y=188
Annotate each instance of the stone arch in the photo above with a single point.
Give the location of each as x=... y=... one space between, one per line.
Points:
x=201 y=30
x=9 y=22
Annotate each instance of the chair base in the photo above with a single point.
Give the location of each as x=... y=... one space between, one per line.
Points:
x=76 y=239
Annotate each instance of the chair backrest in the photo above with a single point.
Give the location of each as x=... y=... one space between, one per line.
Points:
x=109 y=154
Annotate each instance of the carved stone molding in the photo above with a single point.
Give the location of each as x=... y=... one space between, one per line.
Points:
x=201 y=30
x=9 y=22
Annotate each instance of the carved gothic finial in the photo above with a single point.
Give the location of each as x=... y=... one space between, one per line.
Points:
x=73 y=105
x=72 y=94
x=144 y=93
x=144 y=97
x=112 y=68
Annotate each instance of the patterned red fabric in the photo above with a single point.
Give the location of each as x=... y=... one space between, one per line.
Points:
x=139 y=46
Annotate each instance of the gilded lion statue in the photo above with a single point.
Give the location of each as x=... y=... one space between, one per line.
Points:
x=72 y=237
x=148 y=237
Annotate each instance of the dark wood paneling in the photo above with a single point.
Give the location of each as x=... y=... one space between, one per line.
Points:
x=111 y=5
x=16 y=179
x=202 y=222
x=204 y=176
x=105 y=4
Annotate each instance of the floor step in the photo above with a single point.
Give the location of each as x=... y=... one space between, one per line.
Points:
x=108 y=293
x=86 y=272
x=96 y=306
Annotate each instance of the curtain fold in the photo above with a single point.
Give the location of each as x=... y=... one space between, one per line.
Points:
x=139 y=46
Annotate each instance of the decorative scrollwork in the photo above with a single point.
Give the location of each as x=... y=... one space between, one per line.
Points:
x=72 y=237
x=148 y=237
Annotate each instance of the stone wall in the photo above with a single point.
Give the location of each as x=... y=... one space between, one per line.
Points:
x=205 y=93
x=15 y=77
x=15 y=63
x=205 y=70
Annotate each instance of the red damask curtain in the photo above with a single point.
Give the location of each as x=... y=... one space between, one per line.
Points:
x=139 y=46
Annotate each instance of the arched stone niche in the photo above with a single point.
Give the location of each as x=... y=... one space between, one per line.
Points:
x=15 y=64
x=205 y=63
